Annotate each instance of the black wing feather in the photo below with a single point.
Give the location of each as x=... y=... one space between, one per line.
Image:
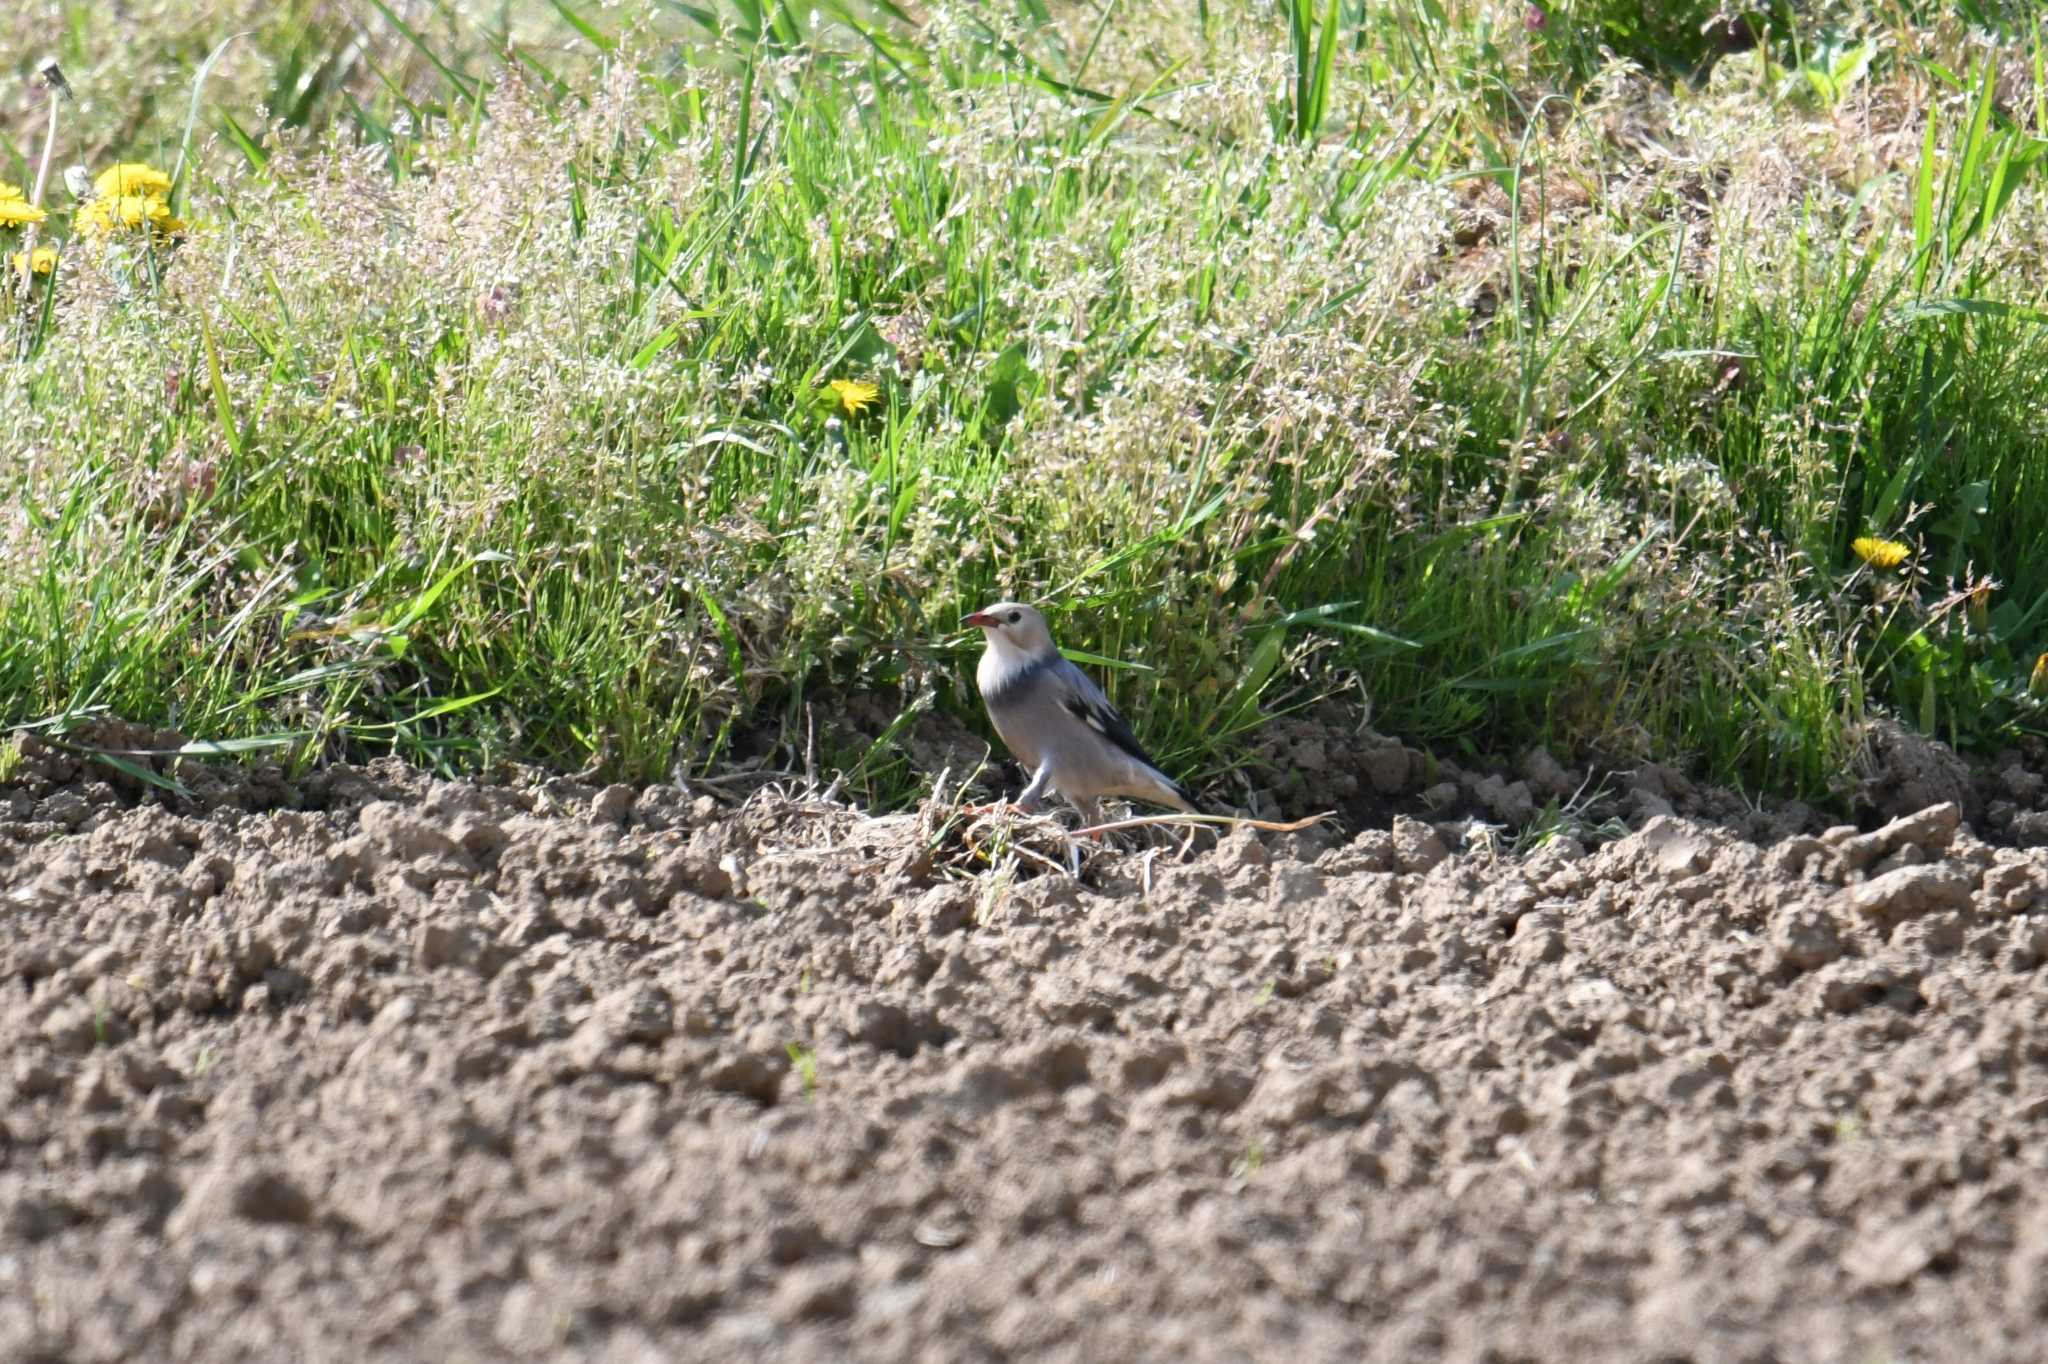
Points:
x=1102 y=717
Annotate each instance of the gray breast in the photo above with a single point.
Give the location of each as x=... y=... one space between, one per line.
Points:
x=1022 y=705
x=1017 y=685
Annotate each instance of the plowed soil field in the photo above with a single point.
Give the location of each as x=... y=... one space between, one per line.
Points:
x=380 y=1066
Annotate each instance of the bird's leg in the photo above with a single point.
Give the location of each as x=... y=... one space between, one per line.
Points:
x=1091 y=814
x=1028 y=800
x=1033 y=795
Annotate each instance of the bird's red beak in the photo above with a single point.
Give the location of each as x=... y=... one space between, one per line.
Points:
x=978 y=618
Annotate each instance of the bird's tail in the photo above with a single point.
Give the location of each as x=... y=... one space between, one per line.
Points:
x=1172 y=793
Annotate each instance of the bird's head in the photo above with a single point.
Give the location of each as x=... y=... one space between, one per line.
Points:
x=1013 y=626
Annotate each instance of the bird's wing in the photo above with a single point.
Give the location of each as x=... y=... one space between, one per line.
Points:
x=1082 y=699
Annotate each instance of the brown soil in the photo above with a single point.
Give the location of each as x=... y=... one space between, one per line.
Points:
x=423 y=1070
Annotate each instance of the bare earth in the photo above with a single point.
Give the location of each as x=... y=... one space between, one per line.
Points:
x=434 y=1071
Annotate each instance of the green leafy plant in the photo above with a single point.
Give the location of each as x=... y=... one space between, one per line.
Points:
x=805 y=1060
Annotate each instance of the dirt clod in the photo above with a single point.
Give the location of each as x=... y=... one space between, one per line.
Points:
x=1417 y=846
x=1927 y=833
x=1907 y=891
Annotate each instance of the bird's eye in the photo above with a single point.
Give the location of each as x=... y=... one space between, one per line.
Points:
x=1016 y=616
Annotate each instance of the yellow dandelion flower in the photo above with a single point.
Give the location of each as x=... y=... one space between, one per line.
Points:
x=1879 y=553
x=14 y=212
x=855 y=395
x=8 y=191
x=42 y=261
x=130 y=178
x=2038 y=683
x=125 y=213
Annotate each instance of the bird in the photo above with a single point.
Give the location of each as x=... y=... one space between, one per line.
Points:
x=1058 y=723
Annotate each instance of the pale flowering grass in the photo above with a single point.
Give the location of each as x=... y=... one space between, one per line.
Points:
x=646 y=398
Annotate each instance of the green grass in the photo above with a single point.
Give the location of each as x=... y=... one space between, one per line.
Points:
x=1403 y=352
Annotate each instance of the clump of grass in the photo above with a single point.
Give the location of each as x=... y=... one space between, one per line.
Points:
x=606 y=409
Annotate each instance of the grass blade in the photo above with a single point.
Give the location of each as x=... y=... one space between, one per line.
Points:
x=192 y=114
